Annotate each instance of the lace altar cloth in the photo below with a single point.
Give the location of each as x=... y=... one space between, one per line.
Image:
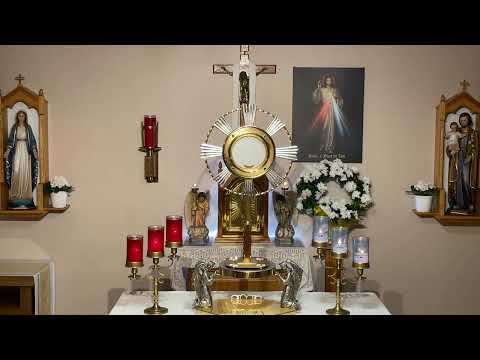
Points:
x=189 y=255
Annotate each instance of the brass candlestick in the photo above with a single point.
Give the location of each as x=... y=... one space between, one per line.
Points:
x=173 y=251
x=155 y=275
x=322 y=250
x=337 y=278
x=134 y=265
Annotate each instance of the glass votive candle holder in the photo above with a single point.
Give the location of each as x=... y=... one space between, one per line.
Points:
x=174 y=231
x=134 y=251
x=340 y=241
x=360 y=249
x=320 y=231
x=156 y=241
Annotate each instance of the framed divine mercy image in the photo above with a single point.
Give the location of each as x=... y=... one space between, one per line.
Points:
x=328 y=113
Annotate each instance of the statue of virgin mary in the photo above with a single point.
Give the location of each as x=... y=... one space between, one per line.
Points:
x=21 y=163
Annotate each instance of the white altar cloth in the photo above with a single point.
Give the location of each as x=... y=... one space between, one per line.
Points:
x=189 y=255
x=312 y=303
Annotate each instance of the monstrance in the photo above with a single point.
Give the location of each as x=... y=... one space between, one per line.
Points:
x=248 y=152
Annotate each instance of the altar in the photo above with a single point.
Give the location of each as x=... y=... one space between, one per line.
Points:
x=311 y=303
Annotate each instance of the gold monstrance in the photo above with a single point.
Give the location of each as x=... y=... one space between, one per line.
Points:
x=248 y=152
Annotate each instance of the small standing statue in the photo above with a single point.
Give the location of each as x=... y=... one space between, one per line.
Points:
x=463 y=175
x=284 y=209
x=21 y=163
x=292 y=283
x=201 y=281
x=196 y=212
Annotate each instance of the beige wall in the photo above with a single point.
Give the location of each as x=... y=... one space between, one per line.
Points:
x=98 y=94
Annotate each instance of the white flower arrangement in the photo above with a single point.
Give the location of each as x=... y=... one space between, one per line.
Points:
x=57 y=184
x=422 y=188
x=311 y=187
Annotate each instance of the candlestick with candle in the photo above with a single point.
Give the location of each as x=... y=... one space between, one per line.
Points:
x=134 y=254
x=150 y=147
x=339 y=252
x=360 y=261
x=174 y=235
x=155 y=251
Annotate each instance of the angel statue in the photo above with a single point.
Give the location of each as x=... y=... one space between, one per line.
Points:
x=201 y=281
x=196 y=212
x=284 y=209
x=292 y=283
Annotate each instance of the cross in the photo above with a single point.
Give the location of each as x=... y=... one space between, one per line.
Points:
x=244 y=55
x=19 y=78
x=464 y=84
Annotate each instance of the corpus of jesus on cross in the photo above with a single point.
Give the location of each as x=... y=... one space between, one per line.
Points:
x=244 y=79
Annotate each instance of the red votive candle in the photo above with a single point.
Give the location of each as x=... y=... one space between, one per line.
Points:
x=134 y=251
x=156 y=241
x=174 y=231
x=149 y=125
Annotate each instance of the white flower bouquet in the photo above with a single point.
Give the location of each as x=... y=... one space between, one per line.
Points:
x=57 y=184
x=422 y=188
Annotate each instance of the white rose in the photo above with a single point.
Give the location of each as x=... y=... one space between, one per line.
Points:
x=365 y=180
x=350 y=186
x=332 y=215
x=354 y=169
x=356 y=194
x=300 y=205
x=321 y=187
x=366 y=199
x=305 y=194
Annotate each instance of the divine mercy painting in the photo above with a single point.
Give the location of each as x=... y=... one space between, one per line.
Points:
x=328 y=113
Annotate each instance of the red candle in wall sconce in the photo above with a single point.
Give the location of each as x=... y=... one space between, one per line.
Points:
x=150 y=147
x=149 y=131
x=134 y=251
x=156 y=241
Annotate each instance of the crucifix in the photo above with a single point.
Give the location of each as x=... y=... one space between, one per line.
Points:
x=464 y=85
x=19 y=78
x=244 y=78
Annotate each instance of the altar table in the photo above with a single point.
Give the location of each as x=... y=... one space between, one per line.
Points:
x=312 y=303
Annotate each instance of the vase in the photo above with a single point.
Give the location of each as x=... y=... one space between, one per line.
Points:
x=423 y=203
x=59 y=199
x=320 y=230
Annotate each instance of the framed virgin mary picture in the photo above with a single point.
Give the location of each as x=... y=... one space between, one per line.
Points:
x=328 y=113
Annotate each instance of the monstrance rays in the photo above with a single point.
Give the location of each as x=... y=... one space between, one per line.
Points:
x=222 y=125
x=223 y=176
x=248 y=187
x=287 y=152
x=275 y=174
x=274 y=126
x=208 y=151
x=249 y=112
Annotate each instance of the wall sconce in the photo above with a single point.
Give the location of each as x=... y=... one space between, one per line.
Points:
x=150 y=147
